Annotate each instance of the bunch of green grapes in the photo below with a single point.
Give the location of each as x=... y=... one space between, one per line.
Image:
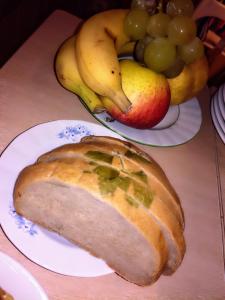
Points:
x=165 y=34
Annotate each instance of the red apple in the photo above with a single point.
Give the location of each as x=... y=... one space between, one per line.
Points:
x=148 y=92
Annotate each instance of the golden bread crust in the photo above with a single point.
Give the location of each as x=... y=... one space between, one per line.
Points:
x=134 y=185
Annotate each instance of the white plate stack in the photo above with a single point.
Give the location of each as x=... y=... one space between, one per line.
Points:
x=218 y=111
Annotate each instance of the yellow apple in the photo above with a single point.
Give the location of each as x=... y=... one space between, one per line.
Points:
x=148 y=92
x=189 y=82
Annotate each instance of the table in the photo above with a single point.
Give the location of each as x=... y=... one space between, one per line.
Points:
x=30 y=95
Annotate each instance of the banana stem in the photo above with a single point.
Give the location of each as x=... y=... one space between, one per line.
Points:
x=121 y=101
x=92 y=107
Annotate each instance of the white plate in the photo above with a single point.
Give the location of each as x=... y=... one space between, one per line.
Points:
x=222 y=87
x=218 y=113
x=216 y=123
x=17 y=281
x=184 y=128
x=42 y=247
x=221 y=100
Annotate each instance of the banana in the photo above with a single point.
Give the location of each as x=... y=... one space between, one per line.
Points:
x=68 y=75
x=98 y=40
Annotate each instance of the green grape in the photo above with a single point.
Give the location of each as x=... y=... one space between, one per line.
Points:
x=159 y=54
x=181 y=30
x=157 y=25
x=180 y=8
x=135 y=24
x=148 y=5
x=138 y=4
x=140 y=47
x=175 y=69
x=191 y=51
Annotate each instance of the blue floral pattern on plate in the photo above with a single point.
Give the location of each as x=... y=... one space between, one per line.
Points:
x=73 y=132
x=22 y=223
x=52 y=252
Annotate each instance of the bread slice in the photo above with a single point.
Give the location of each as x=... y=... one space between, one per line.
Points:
x=152 y=202
x=133 y=157
x=157 y=177
x=88 y=205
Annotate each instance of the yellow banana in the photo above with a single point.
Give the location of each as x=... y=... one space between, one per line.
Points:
x=68 y=75
x=98 y=41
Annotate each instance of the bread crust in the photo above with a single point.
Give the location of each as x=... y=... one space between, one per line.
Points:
x=68 y=172
x=154 y=169
x=156 y=176
x=160 y=209
x=159 y=219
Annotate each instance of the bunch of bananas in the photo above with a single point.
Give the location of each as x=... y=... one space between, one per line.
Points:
x=87 y=64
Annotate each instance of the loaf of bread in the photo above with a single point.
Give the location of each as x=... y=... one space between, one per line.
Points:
x=4 y=295
x=111 y=198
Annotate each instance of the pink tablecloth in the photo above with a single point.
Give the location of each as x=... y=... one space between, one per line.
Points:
x=30 y=94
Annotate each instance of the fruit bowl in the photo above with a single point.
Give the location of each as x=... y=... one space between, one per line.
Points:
x=170 y=118
x=181 y=123
x=148 y=98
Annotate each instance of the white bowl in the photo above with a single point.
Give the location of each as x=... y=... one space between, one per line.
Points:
x=170 y=118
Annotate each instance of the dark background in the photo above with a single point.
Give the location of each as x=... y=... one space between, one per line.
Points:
x=20 y=18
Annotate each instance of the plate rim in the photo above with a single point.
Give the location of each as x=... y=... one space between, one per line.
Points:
x=223 y=92
x=194 y=99
x=63 y=124
x=216 y=123
x=18 y=268
x=218 y=113
x=221 y=101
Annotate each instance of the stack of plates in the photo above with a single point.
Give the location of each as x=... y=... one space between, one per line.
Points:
x=218 y=111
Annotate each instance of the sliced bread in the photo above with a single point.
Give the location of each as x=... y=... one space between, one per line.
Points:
x=89 y=205
x=157 y=176
x=151 y=200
